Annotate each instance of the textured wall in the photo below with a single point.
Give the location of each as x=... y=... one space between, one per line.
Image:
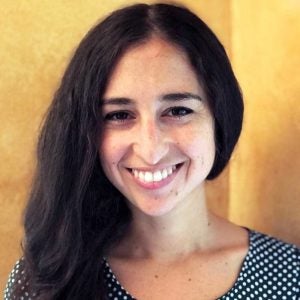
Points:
x=260 y=188
x=265 y=174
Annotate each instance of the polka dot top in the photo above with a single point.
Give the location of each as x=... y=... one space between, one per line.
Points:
x=271 y=270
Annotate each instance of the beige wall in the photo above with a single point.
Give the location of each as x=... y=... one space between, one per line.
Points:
x=265 y=173
x=260 y=188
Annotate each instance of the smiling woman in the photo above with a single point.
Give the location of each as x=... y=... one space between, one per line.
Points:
x=147 y=110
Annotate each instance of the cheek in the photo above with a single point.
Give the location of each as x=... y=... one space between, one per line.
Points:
x=199 y=146
x=110 y=153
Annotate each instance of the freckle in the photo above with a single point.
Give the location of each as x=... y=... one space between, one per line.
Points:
x=208 y=224
x=156 y=276
x=189 y=279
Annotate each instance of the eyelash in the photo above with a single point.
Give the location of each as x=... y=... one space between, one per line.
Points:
x=113 y=116
x=121 y=116
x=178 y=110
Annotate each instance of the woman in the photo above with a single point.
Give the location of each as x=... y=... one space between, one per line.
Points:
x=147 y=110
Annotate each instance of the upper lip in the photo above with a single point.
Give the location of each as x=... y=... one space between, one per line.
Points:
x=153 y=169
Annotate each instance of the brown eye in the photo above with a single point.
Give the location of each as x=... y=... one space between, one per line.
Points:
x=179 y=111
x=118 y=116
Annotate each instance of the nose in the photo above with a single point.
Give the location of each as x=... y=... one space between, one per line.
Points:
x=151 y=143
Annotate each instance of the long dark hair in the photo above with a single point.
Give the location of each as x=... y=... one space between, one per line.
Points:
x=74 y=214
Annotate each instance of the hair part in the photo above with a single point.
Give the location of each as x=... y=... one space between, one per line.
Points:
x=74 y=214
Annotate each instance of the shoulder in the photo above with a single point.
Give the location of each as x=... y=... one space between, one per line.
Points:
x=265 y=246
x=17 y=286
x=273 y=263
x=271 y=270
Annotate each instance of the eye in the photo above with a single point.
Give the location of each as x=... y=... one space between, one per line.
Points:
x=118 y=116
x=178 y=111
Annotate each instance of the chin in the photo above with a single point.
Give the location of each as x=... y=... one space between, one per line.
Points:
x=154 y=207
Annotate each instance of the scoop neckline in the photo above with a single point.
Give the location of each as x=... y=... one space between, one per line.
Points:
x=230 y=291
x=243 y=266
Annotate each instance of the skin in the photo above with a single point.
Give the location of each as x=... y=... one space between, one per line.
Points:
x=147 y=128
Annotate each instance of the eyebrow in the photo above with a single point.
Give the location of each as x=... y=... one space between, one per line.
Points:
x=167 y=97
x=117 y=101
x=180 y=97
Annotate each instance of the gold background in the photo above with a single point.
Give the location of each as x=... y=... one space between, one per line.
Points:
x=261 y=187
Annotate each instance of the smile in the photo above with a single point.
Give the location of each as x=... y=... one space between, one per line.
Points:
x=155 y=179
x=156 y=176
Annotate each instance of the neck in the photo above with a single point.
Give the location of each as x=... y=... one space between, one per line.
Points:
x=184 y=230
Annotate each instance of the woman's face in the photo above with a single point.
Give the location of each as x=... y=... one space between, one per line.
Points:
x=158 y=140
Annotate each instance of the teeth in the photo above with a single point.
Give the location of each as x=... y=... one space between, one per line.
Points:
x=141 y=175
x=155 y=176
x=148 y=177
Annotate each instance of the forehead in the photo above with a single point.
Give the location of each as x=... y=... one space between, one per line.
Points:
x=153 y=48
x=154 y=65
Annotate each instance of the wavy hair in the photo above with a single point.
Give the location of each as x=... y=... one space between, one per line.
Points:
x=74 y=214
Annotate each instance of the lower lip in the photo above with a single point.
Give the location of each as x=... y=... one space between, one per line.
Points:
x=156 y=184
